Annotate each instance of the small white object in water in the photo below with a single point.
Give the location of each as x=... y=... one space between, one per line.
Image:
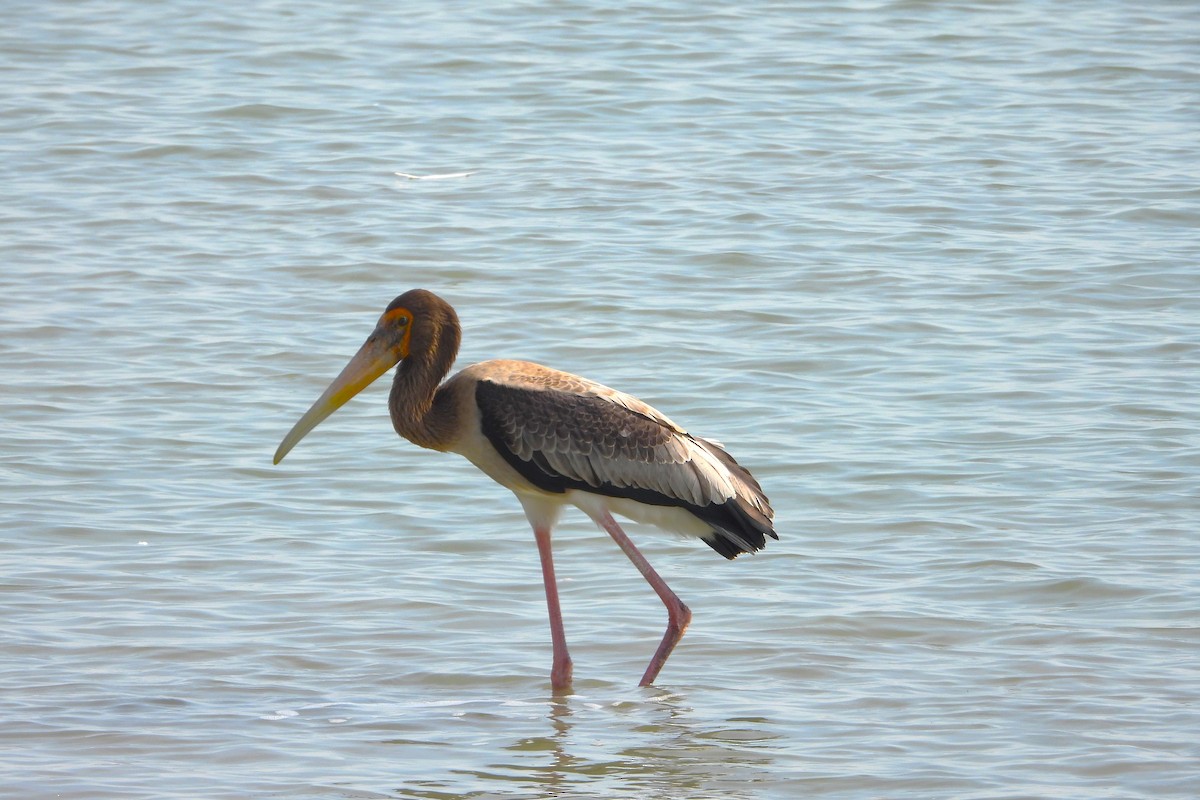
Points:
x=441 y=177
x=282 y=713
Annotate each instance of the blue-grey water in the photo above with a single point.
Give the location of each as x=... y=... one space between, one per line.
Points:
x=929 y=269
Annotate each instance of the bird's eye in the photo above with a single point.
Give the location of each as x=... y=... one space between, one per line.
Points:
x=401 y=320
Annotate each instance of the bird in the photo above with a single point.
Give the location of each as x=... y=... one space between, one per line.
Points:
x=555 y=440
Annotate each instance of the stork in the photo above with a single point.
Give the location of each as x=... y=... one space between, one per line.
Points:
x=554 y=439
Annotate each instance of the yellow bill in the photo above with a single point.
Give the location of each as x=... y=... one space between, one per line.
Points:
x=375 y=357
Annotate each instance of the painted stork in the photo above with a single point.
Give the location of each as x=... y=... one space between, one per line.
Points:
x=554 y=439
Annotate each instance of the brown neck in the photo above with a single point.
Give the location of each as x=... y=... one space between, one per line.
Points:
x=421 y=412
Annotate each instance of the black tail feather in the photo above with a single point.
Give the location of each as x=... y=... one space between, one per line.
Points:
x=737 y=528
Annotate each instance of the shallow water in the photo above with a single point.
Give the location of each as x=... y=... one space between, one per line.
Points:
x=928 y=269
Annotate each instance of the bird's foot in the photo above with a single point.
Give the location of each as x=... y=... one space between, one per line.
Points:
x=560 y=674
x=679 y=617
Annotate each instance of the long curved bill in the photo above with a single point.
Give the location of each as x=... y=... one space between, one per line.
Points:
x=373 y=359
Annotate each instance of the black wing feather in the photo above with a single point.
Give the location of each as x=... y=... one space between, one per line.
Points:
x=560 y=440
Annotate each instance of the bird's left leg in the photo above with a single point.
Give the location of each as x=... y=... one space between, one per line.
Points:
x=560 y=671
x=678 y=615
x=542 y=514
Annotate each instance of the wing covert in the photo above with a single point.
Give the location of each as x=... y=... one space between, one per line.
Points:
x=563 y=440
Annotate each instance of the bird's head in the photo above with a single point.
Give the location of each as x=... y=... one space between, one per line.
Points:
x=412 y=323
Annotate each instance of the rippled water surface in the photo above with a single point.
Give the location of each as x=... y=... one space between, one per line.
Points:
x=929 y=269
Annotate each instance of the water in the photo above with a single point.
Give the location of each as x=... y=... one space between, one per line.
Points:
x=929 y=269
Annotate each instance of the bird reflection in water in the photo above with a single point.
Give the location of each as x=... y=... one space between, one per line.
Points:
x=651 y=746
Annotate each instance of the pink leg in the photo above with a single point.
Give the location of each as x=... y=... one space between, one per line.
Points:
x=560 y=672
x=678 y=615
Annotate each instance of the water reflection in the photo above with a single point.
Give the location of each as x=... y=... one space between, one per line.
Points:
x=652 y=747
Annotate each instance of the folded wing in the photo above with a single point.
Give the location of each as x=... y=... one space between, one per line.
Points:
x=575 y=434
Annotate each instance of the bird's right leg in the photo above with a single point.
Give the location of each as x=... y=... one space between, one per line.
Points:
x=560 y=672
x=678 y=615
